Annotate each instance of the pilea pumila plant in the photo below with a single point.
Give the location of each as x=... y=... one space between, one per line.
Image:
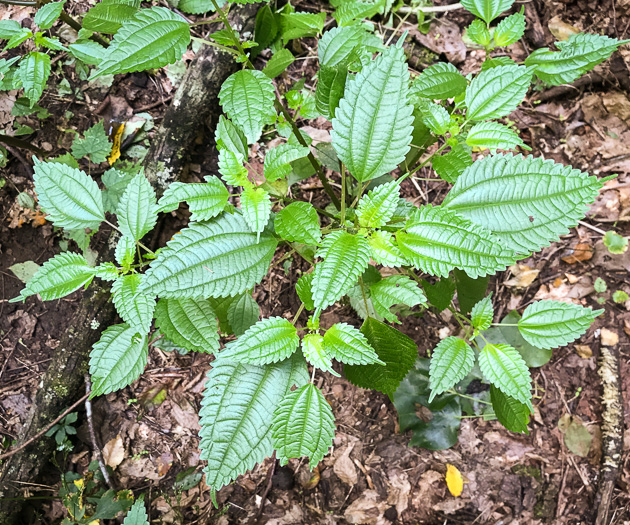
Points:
x=260 y=396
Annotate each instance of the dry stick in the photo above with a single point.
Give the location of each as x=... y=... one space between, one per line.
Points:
x=265 y=493
x=95 y=445
x=430 y=9
x=45 y=429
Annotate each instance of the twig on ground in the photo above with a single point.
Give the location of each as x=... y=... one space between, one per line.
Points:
x=263 y=496
x=95 y=444
x=430 y=9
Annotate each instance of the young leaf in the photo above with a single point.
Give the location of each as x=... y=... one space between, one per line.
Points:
x=137 y=515
x=137 y=209
x=268 y=341
x=436 y=240
x=451 y=361
x=108 y=16
x=496 y=92
x=298 y=222
x=303 y=425
x=152 y=38
x=373 y=123
x=189 y=323
x=487 y=10
x=504 y=367
x=303 y=288
x=47 y=14
x=118 y=359
x=125 y=252
x=231 y=168
x=478 y=32
x=452 y=164
x=34 y=71
x=434 y=116
x=348 y=345
x=509 y=30
x=281 y=60
x=615 y=243
x=58 y=277
x=377 y=207
x=278 y=160
x=237 y=414
x=550 y=324
x=526 y=202
x=510 y=412
x=256 y=206
x=247 y=97
x=230 y=137
x=337 y=46
x=351 y=11
x=345 y=256
x=216 y=258
x=384 y=251
x=439 y=81
x=95 y=145
x=494 y=135
x=134 y=307
x=107 y=271
x=395 y=289
x=482 y=313
x=71 y=199
x=298 y=25
x=205 y=201
x=315 y=353
x=242 y=313
x=395 y=349
x=577 y=55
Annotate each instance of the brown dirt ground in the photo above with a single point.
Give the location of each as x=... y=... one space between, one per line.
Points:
x=371 y=475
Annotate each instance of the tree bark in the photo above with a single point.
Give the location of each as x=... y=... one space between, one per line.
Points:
x=195 y=100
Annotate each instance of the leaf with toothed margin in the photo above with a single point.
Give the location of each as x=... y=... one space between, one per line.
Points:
x=395 y=289
x=205 y=201
x=451 y=361
x=134 y=307
x=503 y=366
x=349 y=346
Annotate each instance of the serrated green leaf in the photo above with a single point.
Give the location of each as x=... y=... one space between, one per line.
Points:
x=615 y=243
x=395 y=349
x=330 y=88
x=489 y=63
x=510 y=412
x=298 y=25
x=58 y=277
x=134 y=307
x=237 y=414
x=125 y=251
x=377 y=207
x=217 y=258
x=349 y=12
x=276 y=65
x=373 y=123
x=349 y=346
x=49 y=42
x=9 y=28
x=106 y=271
x=337 y=46
x=451 y=361
x=434 y=116
x=395 y=289
x=230 y=137
x=256 y=206
x=266 y=28
x=298 y=222
x=526 y=202
x=152 y=38
x=117 y=359
x=487 y=10
x=496 y=92
x=88 y=52
x=242 y=313
x=482 y=314
x=384 y=251
x=115 y=182
x=478 y=32
x=34 y=71
x=303 y=425
x=345 y=257
x=504 y=367
x=436 y=240
x=577 y=55
x=247 y=97
x=108 y=16
x=189 y=323
x=205 y=201
x=439 y=81
x=441 y=293
x=452 y=164
x=278 y=160
x=95 y=145
x=509 y=30
x=70 y=198
x=550 y=324
x=268 y=341
x=137 y=209
x=303 y=287
x=315 y=353
x=137 y=515
x=47 y=14
x=231 y=168
x=494 y=135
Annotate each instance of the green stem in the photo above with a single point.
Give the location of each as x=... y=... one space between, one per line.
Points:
x=367 y=309
x=297 y=314
x=214 y=44
x=343 y=194
x=424 y=162
x=471 y=398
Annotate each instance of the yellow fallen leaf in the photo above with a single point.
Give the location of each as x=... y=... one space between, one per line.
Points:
x=454 y=480
x=115 y=154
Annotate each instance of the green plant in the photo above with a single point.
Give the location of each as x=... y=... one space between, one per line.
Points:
x=501 y=208
x=62 y=430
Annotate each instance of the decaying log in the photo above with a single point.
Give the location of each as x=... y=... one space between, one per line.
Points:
x=195 y=100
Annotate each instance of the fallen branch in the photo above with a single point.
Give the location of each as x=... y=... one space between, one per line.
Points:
x=95 y=444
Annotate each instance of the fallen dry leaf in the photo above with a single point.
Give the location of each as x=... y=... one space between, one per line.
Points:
x=579 y=253
x=560 y=29
x=114 y=452
x=584 y=351
x=608 y=337
x=522 y=276
x=454 y=480
x=345 y=469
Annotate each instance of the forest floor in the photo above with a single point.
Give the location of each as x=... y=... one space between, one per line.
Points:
x=371 y=475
